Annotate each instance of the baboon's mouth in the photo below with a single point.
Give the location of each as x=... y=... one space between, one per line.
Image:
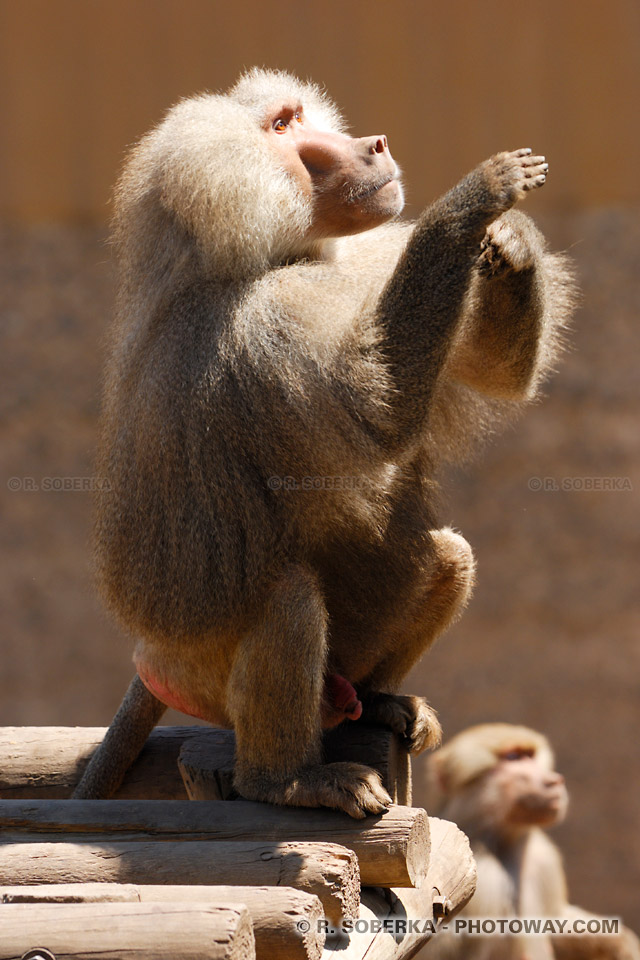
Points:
x=374 y=187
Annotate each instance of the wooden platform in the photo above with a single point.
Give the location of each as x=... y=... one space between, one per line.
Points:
x=151 y=874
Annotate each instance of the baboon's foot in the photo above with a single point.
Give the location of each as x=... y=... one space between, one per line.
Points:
x=350 y=787
x=411 y=718
x=505 y=248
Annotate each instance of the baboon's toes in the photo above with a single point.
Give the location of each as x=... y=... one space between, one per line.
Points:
x=411 y=718
x=351 y=787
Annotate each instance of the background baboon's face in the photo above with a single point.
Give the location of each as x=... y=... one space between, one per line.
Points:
x=532 y=795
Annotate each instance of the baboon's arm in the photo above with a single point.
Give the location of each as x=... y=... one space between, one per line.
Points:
x=423 y=303
x=519 y=299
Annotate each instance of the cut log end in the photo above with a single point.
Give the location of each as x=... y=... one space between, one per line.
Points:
x=130 y=931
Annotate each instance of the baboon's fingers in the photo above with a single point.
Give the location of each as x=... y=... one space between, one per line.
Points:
x=534 y=182
x=534 y=162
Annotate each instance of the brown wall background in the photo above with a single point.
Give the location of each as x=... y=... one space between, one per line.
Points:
x=551 y=636
x=450 y=83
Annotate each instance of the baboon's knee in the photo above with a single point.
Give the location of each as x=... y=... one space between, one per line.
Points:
x=454 y=571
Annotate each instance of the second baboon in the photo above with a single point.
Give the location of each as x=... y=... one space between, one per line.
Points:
x=288 y=368
x=497 y=782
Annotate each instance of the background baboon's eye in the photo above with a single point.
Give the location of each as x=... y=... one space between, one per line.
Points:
x=519 y=753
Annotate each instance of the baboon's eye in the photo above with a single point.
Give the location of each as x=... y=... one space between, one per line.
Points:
x=299 y=116
x=280 y=125
x=518 y=753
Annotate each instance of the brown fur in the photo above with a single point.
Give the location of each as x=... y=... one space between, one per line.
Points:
x=244 y=351
x=503 y=805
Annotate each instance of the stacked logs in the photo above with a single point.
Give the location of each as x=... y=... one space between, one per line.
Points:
x=152 y=875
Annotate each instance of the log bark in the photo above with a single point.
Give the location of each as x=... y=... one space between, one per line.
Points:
x=280 y=916
x=119 y=931
x=206 y=760
x=325 y=870
x=450 y=879
x=48 y=762
x=392 y=849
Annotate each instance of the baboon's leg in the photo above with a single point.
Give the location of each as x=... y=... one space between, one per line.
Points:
x=439 y=606
x=276 y=683
x=275 y=702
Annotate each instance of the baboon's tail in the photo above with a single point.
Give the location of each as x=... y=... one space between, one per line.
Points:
x=136 y=717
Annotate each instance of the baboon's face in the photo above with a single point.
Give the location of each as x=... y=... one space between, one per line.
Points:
x=532 y=795
x=353 y=183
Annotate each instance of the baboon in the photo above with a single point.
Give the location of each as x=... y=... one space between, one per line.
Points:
x=289 y=364
x=497 y=782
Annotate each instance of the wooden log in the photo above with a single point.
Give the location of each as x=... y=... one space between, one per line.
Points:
x=452 y=869
x=207 y=771
x=207 y=759
x=286 y=922
x=392 y=849
x=119 y=931
x=48 y=762
x=451 y=877
x=325 y=870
